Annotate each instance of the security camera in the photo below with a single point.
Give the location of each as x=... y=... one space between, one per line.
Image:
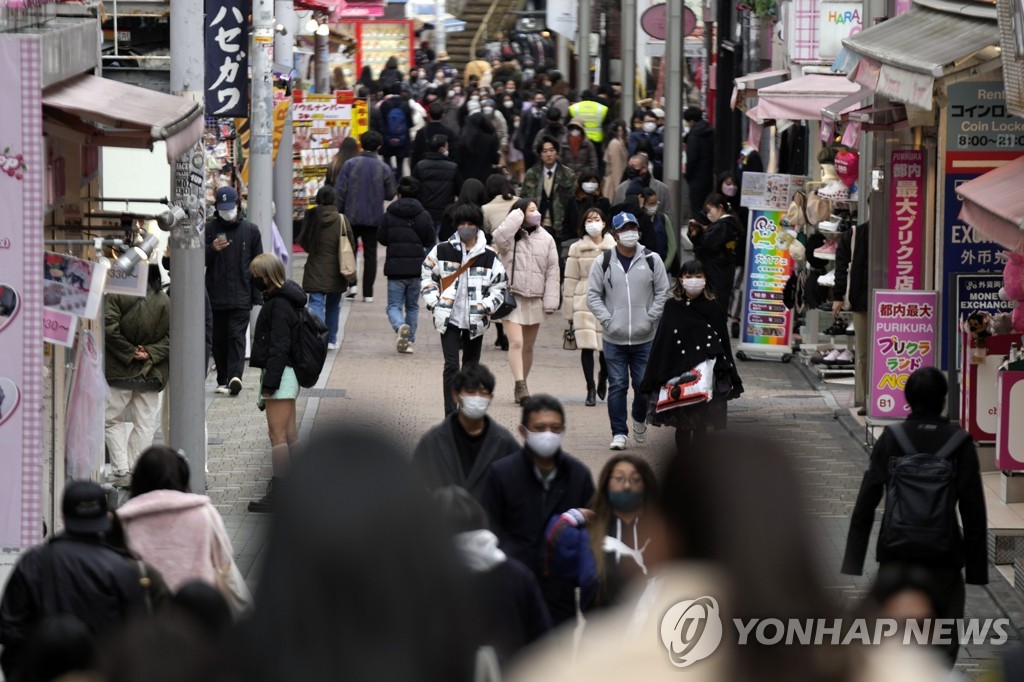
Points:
x=136 y=254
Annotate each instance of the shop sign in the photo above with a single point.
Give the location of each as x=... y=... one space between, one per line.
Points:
x=766 y=322
x=972 y=292
x=837 y=20
x=980 y=121
x=655 y=19
x=906 y=219
x=127 y=283
x=903 y=339
x=1010 y=434
x=320 y=122
x=227 y=64
x=22 y=168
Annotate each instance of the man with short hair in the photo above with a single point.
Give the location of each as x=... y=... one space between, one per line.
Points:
x=926 y=431
x=649 y=141
x=626 y=292
x=525 y=490
x=699 y=138
x=551 y=184
x=460 y=450
x=396 y=122
x=364 y=183
x=439 y=179
x=638 y=168
x=433 y=126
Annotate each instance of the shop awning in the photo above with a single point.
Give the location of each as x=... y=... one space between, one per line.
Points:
x=901 y=58
x=994 y=204
x=106 y=112
x=802 y=99
x=748 y=86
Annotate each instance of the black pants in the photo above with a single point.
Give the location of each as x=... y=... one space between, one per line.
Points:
x=950 y=594
x=368 y=233
x=229 y=328
x=587 y=361
x=452 y=341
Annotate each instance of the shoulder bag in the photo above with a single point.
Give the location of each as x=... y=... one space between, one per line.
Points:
x=509 y=302
x=346 y=255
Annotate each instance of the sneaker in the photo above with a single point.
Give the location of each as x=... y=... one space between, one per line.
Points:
x=831 y=356
x=845 y=357
x=826 y=251
x=618 y=442
x=116 y=473
x=352 y=292
x=828 y=279
x=819 y=357
x=831 y=225
x=367 y=299
x=235 y=386
x=403 y=338
x=223 y=390
x=332 y=346
x=639 y=431
x=410 y=348
x=835 y=190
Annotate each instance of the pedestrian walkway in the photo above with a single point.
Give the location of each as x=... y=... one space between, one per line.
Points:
x=368 y=383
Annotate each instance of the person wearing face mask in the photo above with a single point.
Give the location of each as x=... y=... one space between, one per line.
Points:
x=693 y=330
x=666 y=240
x=271 y=352
x=460 y=450
x=715 y=245
x=530 y=256
x=626 y=291
x=593 y=242
x=648 y=141
x=525 y=490
x=463 y=282
x=231 y=245
x=551 y=185
x=433 y=126
x=638 y=168
x=587 y=196
x=553 y=128
x=579 y=153
x=616 y=156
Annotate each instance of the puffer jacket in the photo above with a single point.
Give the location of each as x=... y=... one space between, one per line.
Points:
x=585 y=156
x=582 y=255
x=129 y=322
x=485 y=282
x=272 y=338
x=228 y=280
x=408 y=232
x=439 y=182
x=628 y=305
x=495 y=211
x=535 y=273
x=322 y=273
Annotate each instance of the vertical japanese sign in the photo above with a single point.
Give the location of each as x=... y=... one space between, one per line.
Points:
x=903 y=339
x=906 y=219
x=21 y=292
x=227 y=64
x=766 y=321
x=320 y=124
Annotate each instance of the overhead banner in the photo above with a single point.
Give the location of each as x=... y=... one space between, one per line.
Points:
x=904 y=327
x=906 y=219
x=227 y=60
x=21 y=292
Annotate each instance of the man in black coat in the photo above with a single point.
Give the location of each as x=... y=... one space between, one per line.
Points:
x=231 y=244
x=421 y=143
x=850 y=292
x=700 y=157
x=439 y=179
x=395 y=128
x=928 y=432
x=408 y=233
x=75 y=574
x=526 y=489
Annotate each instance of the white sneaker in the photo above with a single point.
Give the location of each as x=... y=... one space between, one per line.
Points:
x=618 y=442
x=409 y=349
x=223 y=390
x=235 y=386
x=367 y=299
x=332 y=346
x=403 y=338
x=639 y=432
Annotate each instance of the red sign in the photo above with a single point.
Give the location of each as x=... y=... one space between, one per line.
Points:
x=906 y=219
x=654 y=22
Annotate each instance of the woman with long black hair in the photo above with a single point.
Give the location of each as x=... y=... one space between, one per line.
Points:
x=716 y=245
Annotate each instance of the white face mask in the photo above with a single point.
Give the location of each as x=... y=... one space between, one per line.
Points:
x=629 y=239
x=594 y=229
x=228 y=216
x=574 y=132
x=651 y=210
x=544 y=444
x=693 y=285
x=474 y=406
x=589 y=187
x=488 y=111
x=650 y=127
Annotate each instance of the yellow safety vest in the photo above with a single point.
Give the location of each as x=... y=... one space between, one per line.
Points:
x=592 y=114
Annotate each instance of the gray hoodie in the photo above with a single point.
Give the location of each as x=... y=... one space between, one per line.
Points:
x=628 y=305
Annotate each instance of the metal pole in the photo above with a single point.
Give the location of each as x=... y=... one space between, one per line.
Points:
x=283 y=56
x=321 y=65
x=673 y=83
x=562 y=55
x=438 y=33
x=262 y=120
x=628 y=59
x=187 y=242
x=583 y=46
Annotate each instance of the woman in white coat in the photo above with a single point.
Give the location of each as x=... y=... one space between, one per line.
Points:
x=593 y=242
x=530 y=257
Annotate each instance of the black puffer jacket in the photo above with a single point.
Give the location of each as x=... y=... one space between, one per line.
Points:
x=227 y=271
x=408 y=232
x=440 y=181
x=275 y=327
x=852 y=268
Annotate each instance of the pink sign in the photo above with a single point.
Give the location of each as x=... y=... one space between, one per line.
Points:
x=906 y=219
x=654 y=22
x=59 y=328
x=904 y=328
x=1010 y=436
x=21 y=302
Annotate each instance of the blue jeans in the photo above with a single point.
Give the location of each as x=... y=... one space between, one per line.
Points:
x=625 y=364
x=404 y=292
x=318 y=300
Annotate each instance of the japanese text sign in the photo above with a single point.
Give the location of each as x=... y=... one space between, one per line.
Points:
x=903 y=339
x=765 y=320
x=227 y=63
x=906 y=219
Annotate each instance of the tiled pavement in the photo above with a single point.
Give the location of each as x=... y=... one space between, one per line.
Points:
x=372 y=385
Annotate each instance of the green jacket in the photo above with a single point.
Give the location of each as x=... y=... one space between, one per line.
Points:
x=130 y=321
x=563 y=186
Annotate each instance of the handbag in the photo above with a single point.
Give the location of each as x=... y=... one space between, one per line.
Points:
x=569 y=339
x=509 y=302
x=346 y=255
x=692 y=388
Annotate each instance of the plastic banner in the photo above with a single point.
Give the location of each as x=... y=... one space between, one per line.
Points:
x=904 y=328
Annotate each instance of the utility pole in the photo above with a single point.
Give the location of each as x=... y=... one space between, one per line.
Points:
x=583 y=46
x=562 y=55
x=188 y=246
x=322 y=54
x=261 y=122
x=438 y=34
x=628 y=59
x=284 y=42
x=673 y=81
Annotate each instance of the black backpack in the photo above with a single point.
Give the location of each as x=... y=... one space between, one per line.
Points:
x=920 y=520
x=309 y=348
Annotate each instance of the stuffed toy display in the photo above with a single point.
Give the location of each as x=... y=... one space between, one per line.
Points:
x=979 y=325
x=1013 y=289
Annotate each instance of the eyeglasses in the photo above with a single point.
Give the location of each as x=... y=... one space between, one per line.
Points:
x=634 y=481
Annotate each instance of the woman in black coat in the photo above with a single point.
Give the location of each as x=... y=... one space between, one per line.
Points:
x=715 y=245
x=478 y=148
x=587 y=196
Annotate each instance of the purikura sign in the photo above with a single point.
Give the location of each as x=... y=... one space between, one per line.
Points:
x=906 y=219
x=904 y=328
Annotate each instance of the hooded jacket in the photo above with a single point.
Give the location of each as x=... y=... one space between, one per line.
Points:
x=628 y=305
x=408 y=232
x=582 y=256
x=535 y=272
x=322 y=272
x=275 y=329
x=485 y=282
x=585 y=156
x=227 y=271
x=440 y=181
x=129 y=322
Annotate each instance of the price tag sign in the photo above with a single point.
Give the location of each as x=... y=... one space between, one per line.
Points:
x=128 y=284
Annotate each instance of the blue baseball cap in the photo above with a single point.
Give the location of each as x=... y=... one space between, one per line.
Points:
x=226 y=198
x=624 y=219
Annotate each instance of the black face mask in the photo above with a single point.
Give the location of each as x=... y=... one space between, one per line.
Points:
x=259 y=284
x=632 y=172
x=554 y=126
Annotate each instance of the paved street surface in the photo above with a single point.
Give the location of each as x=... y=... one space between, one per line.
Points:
x=370 y=384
